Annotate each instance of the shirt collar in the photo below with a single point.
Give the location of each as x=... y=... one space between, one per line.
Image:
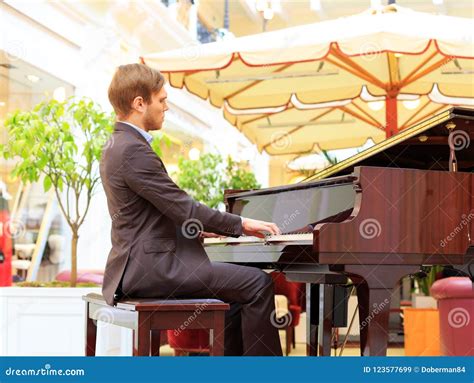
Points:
x=148 y=137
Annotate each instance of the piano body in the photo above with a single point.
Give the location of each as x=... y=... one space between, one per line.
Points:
x=374 y=218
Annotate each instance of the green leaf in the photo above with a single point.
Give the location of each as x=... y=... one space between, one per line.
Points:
x=58 y=138
x=206 y=178
x=47 y=183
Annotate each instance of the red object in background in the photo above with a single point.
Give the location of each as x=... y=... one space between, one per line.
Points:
x=455 y=296
x=5 y=245
x=83 y=276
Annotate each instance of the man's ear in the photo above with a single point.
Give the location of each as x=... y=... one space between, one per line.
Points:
x=138 y=104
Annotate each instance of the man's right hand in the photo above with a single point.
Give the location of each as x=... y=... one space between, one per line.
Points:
x=253 y=227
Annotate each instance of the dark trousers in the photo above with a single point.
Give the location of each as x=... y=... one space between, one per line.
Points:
x=249 y=327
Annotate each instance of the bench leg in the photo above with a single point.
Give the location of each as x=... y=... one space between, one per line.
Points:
x=142 y=334
x=155 y=342
x=289 y=339
x=134 y=338
x=216 y=334
x=91 y=334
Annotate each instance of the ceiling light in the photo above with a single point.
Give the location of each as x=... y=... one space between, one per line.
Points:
x=376 y=105
x=33 y=78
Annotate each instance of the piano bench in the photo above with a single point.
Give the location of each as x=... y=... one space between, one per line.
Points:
x=148 y=318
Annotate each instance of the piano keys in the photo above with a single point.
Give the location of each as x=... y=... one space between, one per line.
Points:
x=373 y=218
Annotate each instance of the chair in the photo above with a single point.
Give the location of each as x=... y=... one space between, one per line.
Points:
x=296 y=295
x=149 y=317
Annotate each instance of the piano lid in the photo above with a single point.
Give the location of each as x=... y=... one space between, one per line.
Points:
x=423 y=146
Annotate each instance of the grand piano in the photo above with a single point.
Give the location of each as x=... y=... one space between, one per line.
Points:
x=371 y=219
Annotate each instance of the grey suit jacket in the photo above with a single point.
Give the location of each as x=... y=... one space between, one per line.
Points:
x=155 y=249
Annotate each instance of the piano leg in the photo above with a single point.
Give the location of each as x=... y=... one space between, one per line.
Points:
x=312 y=319
x=363 y=301
x=326 y=298
x=319 y=321
x=374 y=290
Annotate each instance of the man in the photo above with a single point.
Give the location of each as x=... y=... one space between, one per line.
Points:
x=156 y=251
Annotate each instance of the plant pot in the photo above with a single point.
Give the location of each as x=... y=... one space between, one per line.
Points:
x=421 y=327
x=420 y=301
x=39 y=321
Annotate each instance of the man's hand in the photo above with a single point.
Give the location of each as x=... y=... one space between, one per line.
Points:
x=205 y=234
x=258 y=228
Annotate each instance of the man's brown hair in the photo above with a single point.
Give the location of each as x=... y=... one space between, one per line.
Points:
x=130 y=81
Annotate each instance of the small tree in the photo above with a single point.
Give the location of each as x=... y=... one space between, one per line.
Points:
x=206 y=179
x=61 y=142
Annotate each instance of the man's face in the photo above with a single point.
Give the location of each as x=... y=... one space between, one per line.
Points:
x=155 y=111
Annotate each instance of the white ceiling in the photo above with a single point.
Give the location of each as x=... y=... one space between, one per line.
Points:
x=244 y=20
x=17 y=92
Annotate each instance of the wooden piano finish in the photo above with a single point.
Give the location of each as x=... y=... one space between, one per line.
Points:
x=401 y=216
x=375 y=218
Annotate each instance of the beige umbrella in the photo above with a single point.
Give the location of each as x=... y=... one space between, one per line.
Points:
x=333 y=84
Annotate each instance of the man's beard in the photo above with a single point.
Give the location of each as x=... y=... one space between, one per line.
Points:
x=149 y=123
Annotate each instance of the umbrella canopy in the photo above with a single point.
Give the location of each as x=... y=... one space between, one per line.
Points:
x=332 y=84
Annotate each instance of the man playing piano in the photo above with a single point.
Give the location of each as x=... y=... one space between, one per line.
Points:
x=156 y=250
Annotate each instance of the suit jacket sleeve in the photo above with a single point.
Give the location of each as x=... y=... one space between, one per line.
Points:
x=144 y=173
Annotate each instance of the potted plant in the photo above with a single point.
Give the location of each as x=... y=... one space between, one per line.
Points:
x=61 y=143
x=206 y=178
x=58 y=144
x=421 y=321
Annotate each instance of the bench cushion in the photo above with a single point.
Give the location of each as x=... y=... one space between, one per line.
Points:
x=150 y=304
